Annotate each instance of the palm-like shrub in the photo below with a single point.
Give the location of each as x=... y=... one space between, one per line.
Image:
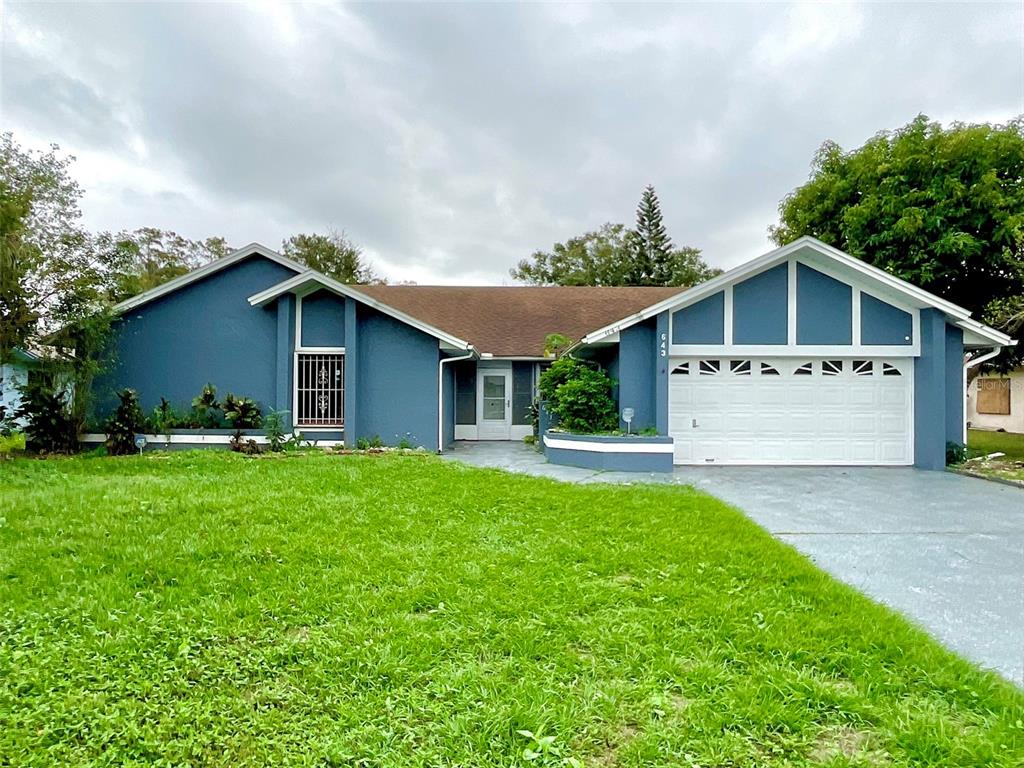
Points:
x=242 y=412
x=126 y=422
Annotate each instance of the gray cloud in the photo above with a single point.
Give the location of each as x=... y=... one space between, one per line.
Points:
x=452 y=140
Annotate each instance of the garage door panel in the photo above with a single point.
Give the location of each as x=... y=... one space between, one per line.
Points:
x=856 y=416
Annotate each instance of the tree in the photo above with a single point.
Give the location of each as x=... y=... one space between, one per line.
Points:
x=143 y=259
x=940 y=207
x=614 y=255
x=652 y=259
x=50 y=273
x=332 y=254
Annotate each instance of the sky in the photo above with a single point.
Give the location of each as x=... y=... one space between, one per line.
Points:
x=452 y=140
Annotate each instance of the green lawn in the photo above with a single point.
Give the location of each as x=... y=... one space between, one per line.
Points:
x=980 y=442
x=209 y=609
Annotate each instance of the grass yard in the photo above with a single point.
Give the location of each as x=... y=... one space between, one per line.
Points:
x=209 y=609
x=982 y=442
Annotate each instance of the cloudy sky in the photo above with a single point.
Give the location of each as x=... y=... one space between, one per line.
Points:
x=452 y=140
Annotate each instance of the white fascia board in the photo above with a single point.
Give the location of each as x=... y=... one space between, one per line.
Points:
x=253 y=249
x=766 y=261
x=985 y=335
x=312 y=276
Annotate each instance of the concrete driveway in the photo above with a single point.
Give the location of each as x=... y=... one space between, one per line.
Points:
x=945 y=550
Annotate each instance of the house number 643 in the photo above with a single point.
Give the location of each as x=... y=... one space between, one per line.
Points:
x=663 y=345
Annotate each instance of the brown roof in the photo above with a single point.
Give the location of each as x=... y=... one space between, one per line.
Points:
x=513 y=322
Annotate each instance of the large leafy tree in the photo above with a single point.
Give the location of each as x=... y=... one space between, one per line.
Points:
x=148 y=257
x=333 y=254
x=51 y=275
x=940 y=207
x=615 y=255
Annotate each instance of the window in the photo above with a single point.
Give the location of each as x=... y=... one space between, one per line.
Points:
x=710 y=367
x=769 y=370
x=831 y=367
x=522 y=392
x=683 y=369
x=465 y=392
x=320 y=390
x=994 y=396
x=740 y=367
x=890 y=370
x=863 y=367
x=804 y=370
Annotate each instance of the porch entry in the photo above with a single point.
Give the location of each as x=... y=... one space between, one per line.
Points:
x=493 y=398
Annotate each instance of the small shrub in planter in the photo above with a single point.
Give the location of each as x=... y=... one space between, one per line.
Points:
x=579 y=395
x=49 y=424
x=242 y=412
x=206 y=410
x=126 y=422
x=164 y=418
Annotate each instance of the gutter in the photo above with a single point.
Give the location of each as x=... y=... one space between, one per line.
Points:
x=970 y=364
x=470 y=353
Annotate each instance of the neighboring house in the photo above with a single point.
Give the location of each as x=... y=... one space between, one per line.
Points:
x=802 y=356
x=996 y=401
x=13 y=376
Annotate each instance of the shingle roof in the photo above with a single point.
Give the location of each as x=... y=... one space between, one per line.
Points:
x=514 y=321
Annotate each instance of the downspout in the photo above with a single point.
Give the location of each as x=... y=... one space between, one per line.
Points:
x=970 y=364
x=470 y=353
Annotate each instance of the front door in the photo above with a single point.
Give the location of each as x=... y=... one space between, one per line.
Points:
x=495 y=404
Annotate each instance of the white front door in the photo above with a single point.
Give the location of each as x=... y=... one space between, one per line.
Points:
x=792 y=410
x=494 y=403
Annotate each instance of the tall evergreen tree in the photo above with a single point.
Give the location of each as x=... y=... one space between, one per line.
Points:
x=652 y=247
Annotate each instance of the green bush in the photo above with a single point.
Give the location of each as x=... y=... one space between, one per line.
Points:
x=956 y=453
x=7 y=425
x=579 y=395
x=206 y=410
x=274 y=427
x=126 y=422
x=50 y=426
x=242 y=412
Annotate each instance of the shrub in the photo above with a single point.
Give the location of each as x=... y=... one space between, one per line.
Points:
x=164 y=418
x=366 y=443
x=579 y=395
x=240 y=444
x=242 y=412
x=7 y=424
x=206 y=410
x=956 y=453
x=49 y=425
x=274 y=427
x=126 y=422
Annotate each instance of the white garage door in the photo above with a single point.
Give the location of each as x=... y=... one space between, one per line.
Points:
x=791 y=411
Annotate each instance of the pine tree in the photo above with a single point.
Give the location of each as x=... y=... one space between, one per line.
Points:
x=652 y=247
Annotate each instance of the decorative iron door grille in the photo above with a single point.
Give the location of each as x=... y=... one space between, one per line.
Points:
x=320 y=389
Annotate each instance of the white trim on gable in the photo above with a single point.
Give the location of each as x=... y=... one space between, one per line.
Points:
x=312 y=276
x=252 y=249
x=909 y=293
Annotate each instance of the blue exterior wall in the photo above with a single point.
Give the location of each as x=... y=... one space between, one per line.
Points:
x=938 y=390
x=701 y=323
x=395 y=381
x=285 y=347
x=760 y=308
x=323 y=320
x=956 y=395
x=448 y=395
x=204 y=332
x=824 y=308
x=637 y=369
x=883 y=324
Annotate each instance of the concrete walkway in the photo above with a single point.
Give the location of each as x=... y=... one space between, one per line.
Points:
x=943 y=549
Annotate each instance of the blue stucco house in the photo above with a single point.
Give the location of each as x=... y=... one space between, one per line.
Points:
x=805 y=355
